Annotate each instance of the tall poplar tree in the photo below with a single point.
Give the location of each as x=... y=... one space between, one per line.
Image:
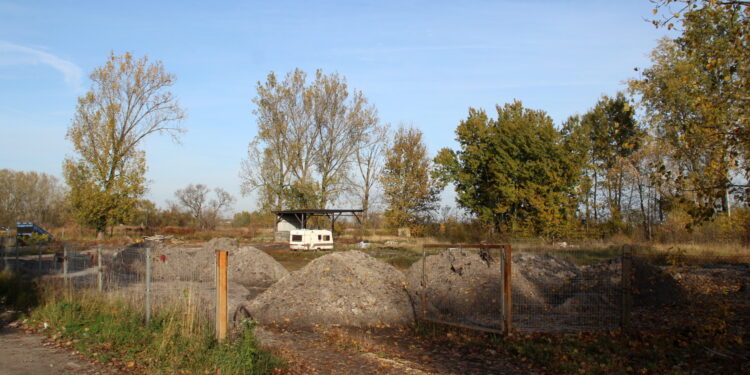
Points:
x=696 y=97
x=410 y=192
x=128 y=101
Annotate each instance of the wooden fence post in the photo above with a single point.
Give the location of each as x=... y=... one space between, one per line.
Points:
x=507 y=290
x=221 y=294
x=626 y=277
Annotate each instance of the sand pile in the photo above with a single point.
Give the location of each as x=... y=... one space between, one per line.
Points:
x=248 y=266
x=348 y=289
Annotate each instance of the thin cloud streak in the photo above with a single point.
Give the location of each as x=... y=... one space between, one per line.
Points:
x=14 y=54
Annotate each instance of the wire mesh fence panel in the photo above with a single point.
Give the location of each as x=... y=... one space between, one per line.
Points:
x=181 y=281
x=461 y=285
x=566 y=290
x=667 y=284
x=178 y=281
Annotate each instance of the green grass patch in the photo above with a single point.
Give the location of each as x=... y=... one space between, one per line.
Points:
x=175 y=341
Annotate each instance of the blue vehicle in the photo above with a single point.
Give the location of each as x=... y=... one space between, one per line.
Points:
x=24 y=232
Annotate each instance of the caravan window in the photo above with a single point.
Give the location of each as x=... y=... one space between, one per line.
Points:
x=326 y=238
x=319 y=237
x=296 y=238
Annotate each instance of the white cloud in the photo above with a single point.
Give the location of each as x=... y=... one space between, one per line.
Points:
x=14 y=54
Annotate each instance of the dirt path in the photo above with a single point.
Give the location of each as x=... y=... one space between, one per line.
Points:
x=28 y=354
x=345 y=352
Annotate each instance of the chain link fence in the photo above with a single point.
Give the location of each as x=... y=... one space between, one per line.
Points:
x=473 y=286
x=462 y=285
x=141 y=274
x=569 y=290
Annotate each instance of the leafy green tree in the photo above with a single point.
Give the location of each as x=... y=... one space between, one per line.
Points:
x=128 y=101
x=696 y=97
x=613 y=135
x=410 y=192
x=513 y=172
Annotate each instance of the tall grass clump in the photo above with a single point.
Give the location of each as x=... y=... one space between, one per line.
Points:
x=177 y=340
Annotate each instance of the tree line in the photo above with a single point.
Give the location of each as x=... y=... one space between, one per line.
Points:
x=675 y=142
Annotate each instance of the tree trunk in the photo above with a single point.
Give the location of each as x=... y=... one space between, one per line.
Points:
x=646 y=226
x=596 y=186
x=726 y=206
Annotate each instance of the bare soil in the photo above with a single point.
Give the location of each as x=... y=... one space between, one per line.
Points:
x=24 y=353
x=379 y=351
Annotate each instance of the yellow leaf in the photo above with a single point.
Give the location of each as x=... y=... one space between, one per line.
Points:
x=131 y=364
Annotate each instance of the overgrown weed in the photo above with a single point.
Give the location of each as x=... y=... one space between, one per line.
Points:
x=175 y=340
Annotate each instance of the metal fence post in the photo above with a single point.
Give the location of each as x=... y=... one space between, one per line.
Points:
x=17 y=264
x=99 y=270
x=5 y=253
x=627 y=274
x=148 y=285
x=507 y=290
x=65 y=264
x=221 y=294
x=38 y=261
x=424 y=282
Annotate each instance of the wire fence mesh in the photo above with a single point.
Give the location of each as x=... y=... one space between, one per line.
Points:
x=141 y=274
x=550 y=290
x=463 y=285
x=567 y=290
x=560 y=289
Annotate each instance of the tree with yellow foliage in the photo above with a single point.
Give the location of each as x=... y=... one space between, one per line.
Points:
x=128 y=101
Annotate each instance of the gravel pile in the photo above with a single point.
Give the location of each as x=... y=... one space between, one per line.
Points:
x=349 y=289
x=465 y=283
x=651 y=286
x=248 y=266
x=458 y=282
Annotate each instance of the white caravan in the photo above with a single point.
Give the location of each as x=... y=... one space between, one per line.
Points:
x=310 y=239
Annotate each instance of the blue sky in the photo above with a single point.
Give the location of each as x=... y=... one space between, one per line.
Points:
x=420 y=62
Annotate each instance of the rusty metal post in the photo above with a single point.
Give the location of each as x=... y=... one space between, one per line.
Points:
x=626 y=277
x=221 y=294
x=507 y=290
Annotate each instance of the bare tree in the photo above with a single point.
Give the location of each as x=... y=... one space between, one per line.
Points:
x=31 y=196
x=206 y=213
x=307 y=137
x=369 y=156
x=343 y=119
